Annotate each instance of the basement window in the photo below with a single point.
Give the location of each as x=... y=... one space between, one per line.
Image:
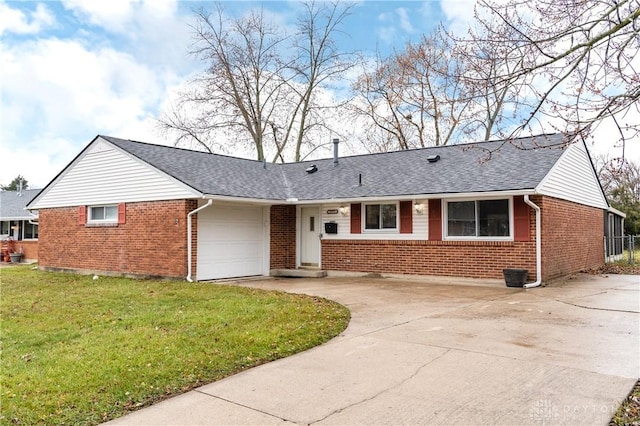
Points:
x=103 y=214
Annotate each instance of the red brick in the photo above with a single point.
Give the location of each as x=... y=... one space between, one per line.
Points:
x=152 y=242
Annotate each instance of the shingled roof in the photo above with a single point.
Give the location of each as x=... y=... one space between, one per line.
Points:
x=12 y=204
x=210 y=173
x=518 y=164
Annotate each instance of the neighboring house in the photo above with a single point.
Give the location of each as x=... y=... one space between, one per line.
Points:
x=470 y=210
x=18 y=224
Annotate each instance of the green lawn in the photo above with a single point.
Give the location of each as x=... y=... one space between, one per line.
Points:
x=629 y=411
x=82 y=351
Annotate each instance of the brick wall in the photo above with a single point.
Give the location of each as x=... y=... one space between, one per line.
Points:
x=283 y=237
x=572 y=237
x=470 y=259
x=572 y=241
x=29 y=249
x=151 y=242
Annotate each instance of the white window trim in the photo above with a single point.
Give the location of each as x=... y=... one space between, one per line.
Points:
x=24 y=229
x=445 y=220
x=90 y=219
x=363 y=219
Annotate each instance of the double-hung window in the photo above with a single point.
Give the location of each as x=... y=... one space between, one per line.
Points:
x=30 y=231
x=102 y=214
x=381 y=217
x=5 y=228
x=479 y=219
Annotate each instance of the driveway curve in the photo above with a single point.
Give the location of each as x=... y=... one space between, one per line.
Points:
x=419 y=352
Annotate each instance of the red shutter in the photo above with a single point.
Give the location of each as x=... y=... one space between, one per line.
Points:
x=521 y=212
x=356 y=218
x=406 y=217
x=435 y=220
x=122 y=213
x=82 y=215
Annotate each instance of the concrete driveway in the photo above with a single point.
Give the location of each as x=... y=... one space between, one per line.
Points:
x=420 y=353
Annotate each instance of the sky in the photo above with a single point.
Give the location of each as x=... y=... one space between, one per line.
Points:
x=73 y=69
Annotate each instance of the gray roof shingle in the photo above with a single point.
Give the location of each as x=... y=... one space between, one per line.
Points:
x=210 y=173
x=12 y=204
x=519 y=164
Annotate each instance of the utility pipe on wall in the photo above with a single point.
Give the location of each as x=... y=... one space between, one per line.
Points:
x=189 y=255
x=538 y=245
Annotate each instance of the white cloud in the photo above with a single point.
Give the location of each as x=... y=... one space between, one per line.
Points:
x=155 y=32
x=39 y=165
x=66 y=84
x=16 y=21
x=394 y=23
x=113 y=15
x=458 y=13
x=62 y=91
x=58 y=93
x=405 y=21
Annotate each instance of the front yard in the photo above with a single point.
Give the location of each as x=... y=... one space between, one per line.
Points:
x=81 y=351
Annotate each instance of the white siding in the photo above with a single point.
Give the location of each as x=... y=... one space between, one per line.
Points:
x=420 y=223
x=573 y=179
x=105 y=174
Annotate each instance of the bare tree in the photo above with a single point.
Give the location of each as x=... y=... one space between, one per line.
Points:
x=620 y=179
x=435 y=92
x=379 y=95
x=319 y=62
x=416 y=96
x=494 y=107
x=435 y=96
x=261 y=84
x=580 y=57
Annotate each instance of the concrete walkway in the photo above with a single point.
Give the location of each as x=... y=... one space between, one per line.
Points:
x=421 y=353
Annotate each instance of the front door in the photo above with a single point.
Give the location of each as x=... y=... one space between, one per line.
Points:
x=309 y=236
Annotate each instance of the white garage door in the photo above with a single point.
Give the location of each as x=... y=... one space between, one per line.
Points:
x=231 y=242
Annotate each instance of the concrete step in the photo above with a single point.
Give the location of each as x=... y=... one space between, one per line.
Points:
x=298 y=273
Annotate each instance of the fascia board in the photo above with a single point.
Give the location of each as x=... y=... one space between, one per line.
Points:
x=404 y=197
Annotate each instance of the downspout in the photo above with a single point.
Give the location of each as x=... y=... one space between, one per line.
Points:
x=189 y=254
x=538 y=245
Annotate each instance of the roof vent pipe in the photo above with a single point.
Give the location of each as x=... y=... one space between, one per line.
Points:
x=336 y=141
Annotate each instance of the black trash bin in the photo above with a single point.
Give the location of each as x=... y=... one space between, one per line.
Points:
x=515 y=277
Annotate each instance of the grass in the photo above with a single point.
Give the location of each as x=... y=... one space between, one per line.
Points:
x=627 y=257
x=82 y=351
x=629 y=412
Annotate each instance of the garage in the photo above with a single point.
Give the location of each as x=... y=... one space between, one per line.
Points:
x=231 y=242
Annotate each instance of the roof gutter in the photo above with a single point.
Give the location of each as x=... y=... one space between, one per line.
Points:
x=538 y=245
x=232 y=199
x=34 y=217
x=296 y=201
x=616 y=212
x=189 y=254
x=401 y=197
